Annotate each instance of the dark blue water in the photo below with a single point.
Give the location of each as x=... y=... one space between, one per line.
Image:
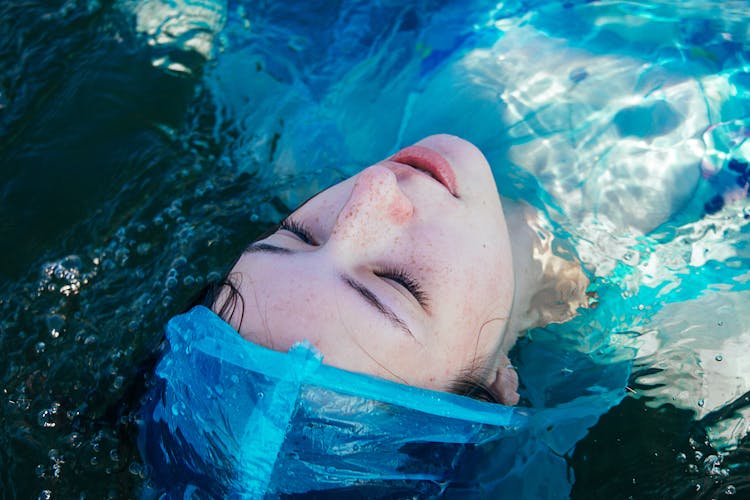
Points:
x=144 y=144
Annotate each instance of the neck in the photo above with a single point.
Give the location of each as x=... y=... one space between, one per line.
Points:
x=548 y=288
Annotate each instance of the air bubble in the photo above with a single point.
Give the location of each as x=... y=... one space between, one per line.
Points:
x=122 y=255
x=55 y=322
x=681 y=458
x=46 y=418
x=712 y=465
x=701 y=402
x=40 y=347
x=730 y=490
x=179 y=262
x=719 y=357
x=134 y=468
x=73 y=439
x=143 y=248
x=297 y=43
x=23 y=404
x=174 y=210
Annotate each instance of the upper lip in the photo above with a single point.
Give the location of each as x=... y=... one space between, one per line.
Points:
x=429 y=161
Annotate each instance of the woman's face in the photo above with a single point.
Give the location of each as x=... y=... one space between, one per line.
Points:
x=402 y=271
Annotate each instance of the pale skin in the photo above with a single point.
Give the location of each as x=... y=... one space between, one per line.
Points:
x=404 y=271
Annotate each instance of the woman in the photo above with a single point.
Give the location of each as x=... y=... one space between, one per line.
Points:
x=405 y=271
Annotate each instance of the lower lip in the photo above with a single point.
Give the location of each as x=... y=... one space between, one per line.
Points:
x=430 y=161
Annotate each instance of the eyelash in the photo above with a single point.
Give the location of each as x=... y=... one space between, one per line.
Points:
x=400 y=276
x=299 y=230
x=403 y=278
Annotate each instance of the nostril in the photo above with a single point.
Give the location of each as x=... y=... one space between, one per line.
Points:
x=401 y=209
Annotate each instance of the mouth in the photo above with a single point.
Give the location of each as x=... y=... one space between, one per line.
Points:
x=431 y=163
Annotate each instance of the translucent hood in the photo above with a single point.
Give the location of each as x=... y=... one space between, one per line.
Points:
x=230 y=418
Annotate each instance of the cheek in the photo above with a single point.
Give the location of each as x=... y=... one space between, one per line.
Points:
x=281 y=309
x=291 y=303
x=476 y=321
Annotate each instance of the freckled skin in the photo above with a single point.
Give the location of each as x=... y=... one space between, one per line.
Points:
x=390 y=216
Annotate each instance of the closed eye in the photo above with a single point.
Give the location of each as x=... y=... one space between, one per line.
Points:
x=298 y=229
x=407 y=281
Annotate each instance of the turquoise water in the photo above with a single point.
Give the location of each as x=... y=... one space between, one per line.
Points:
x=144 y=143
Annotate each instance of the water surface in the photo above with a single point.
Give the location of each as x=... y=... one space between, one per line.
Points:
x=144 y=143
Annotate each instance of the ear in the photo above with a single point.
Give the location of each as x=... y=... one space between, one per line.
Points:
x=505 y=383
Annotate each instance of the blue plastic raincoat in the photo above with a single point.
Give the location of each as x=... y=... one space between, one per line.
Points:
x=229 y=418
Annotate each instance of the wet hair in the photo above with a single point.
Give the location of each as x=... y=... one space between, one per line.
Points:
x=469 y=383
x=209 y=295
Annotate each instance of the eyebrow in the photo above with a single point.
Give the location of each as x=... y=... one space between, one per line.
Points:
x=361 y=289
x=373 y=300
x=258 y=247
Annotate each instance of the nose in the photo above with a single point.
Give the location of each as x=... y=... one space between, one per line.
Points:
x=372 y=216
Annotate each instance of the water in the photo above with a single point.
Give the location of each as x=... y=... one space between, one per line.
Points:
x=144 y=143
